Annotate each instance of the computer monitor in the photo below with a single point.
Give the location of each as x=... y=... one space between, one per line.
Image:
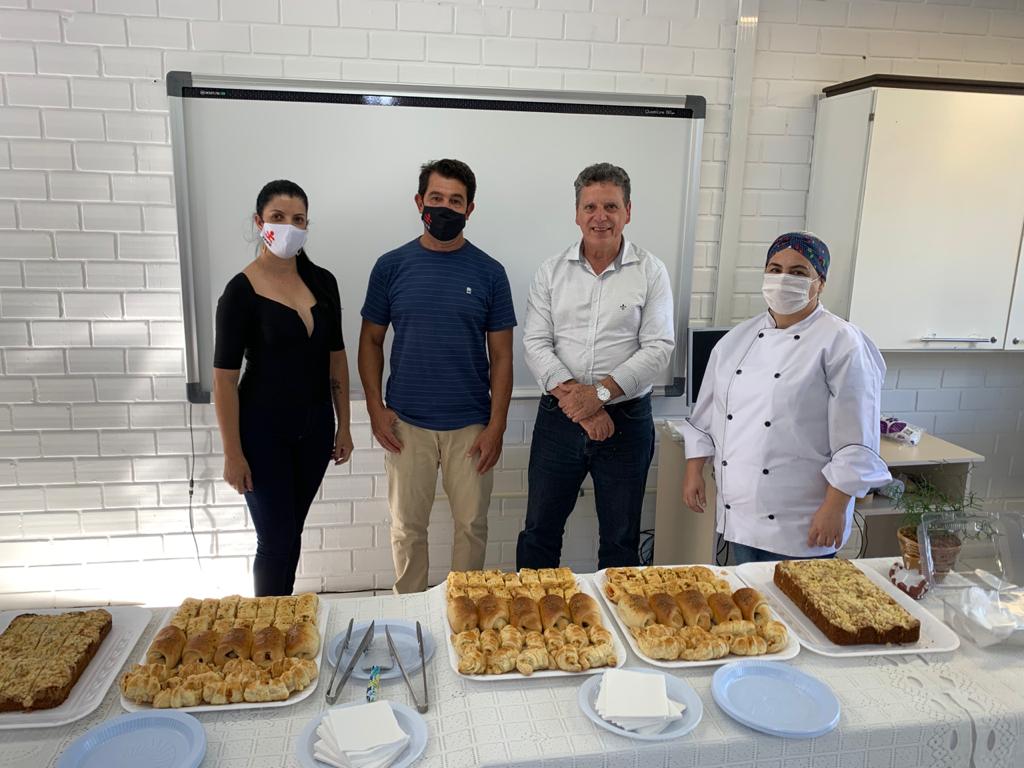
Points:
x=698 y=349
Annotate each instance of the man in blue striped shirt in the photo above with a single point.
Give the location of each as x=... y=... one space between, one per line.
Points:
x=448 y=392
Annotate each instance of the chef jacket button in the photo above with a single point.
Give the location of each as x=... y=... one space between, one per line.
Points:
x=725 y=463
x=739 y=371
x=778 y=375
x=771 y=517
x=760 y=335
x=764 y=471
x=729 y=416
x=767 y=423
x=728 y=506
x=797 y=337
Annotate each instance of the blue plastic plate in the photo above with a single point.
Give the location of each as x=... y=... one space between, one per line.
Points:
x=404 y=635
x=775 y=698
x=409 y=720
x=156 y=739
x=676 y=689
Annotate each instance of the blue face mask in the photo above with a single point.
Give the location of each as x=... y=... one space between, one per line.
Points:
x=444 y=224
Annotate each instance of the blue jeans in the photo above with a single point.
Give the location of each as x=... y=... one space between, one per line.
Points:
x=561 y=455
x=741 y=554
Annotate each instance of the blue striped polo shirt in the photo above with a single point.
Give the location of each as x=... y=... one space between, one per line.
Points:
x=442 y=305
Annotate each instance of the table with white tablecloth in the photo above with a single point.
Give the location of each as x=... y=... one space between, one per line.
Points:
x=964 y=708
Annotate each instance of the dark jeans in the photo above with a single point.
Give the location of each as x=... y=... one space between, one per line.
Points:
x=741 y=554
x=561 y=455
x=286 y=473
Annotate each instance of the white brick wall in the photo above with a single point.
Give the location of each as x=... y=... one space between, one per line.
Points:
x=93 y=445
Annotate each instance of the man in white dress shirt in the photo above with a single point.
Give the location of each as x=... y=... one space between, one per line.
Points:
x=599 y=332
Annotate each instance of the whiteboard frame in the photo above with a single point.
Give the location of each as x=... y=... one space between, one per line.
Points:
x=177 y=81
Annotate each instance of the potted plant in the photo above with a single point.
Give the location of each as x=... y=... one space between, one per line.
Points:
x=921 y=497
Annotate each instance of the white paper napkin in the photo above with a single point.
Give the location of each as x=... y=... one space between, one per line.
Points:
x=363 y=736
x=636 y=702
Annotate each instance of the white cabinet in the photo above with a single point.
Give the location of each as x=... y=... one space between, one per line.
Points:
x=920 y=196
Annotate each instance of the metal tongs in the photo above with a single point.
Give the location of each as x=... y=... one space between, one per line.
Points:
x=363 y=645
x=421 y=708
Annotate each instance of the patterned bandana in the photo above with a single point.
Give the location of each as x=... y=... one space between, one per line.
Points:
x=807 y=245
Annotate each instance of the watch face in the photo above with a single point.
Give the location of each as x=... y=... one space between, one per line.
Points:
x=603 y=393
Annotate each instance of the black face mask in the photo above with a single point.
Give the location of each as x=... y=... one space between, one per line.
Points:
x=444 y=224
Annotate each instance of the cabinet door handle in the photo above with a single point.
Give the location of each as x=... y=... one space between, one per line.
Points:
x=961 y=339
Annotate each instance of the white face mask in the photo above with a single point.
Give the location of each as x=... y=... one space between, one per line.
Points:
x=787 y=294
x=283 y=240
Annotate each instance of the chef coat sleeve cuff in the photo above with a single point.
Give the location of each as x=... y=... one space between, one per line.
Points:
x=855 y=470
x=696 y=442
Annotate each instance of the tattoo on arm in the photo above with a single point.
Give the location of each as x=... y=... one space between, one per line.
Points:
x=335 y=386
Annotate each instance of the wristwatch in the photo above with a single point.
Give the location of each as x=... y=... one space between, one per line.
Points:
x=603 y=393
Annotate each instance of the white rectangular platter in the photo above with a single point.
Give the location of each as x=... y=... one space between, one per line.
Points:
x=935 y=637
x=321 y=622
x=584 y=586
x=791 y=649
x=128 y=622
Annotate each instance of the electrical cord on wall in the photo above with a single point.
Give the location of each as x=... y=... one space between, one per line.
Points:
x=862 y=528
x=192 y=486
x=723 y=546
x=647 y=547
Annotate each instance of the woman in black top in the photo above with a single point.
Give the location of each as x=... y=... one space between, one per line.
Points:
x=283 y=314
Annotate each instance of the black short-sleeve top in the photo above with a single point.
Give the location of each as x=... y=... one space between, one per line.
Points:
x=285 y=366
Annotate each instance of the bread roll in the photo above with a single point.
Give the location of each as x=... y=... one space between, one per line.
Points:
x=554 y=612
x=775 y=634
x=748 y=645
x=302 y=641
x=576 y=635
x=723 y=608
x=201 y=648
x=524 y=615
x=492 y=612
x=234 y=644
x=490 y=641
x=532 y=659
x=597 y=656
x=584 y=610
x=665 y=610
x=752 y=605
x=462 y=615
x=501 y=661
x=472 y=662
x=167 y=647
x=694 y=607
x=635 y=611
x=267 y=647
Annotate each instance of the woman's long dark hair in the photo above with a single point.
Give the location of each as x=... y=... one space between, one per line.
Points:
x=311 y=275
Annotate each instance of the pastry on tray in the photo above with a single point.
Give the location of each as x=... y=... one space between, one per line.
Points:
x=845 y=604
x=230 y=650
x=689 y=613
x=525 y=622
x=42 y=656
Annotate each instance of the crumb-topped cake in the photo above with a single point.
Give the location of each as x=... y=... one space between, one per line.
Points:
x=42 y=656
x=844 y=603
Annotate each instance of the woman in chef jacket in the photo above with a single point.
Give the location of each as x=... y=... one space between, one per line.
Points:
x=788 y=411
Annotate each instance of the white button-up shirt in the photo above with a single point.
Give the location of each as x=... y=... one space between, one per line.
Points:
x=785 y=413
x=584 y=326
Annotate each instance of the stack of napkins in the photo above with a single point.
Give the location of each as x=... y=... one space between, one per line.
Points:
x=636 y=702
x=363 y=736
